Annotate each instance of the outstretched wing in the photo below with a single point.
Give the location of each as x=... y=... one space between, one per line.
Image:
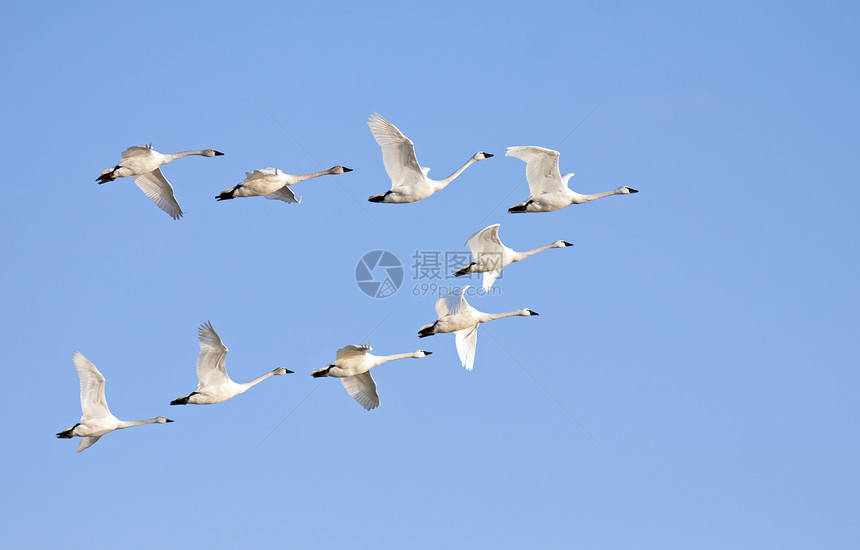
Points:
x=398 y=152
x=284 y=194
x=211 y=367
x=93 y=403
x=157 y=188
x=362 y=388
x=490 y=278
x=87 y=442
x=467 y=342
x=452 y=303
x=352 y=350
x=541 y=168
x=136 y=151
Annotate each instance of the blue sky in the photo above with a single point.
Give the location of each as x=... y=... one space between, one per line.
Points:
x=703 y=331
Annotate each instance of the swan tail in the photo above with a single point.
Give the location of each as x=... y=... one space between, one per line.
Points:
x=107 y=175
x=465 y=270
x=181 y=400
x=319 y=373
x=379 y=198
x=427 y=330
x=518 y=208
x=226 y=195
x=67 y=434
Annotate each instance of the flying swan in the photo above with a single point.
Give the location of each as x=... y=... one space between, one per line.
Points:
x=352 y=365
x=457 y=316
x=97 y=419
x=409 y=181
x=213 y=384
x=491 y=256
x=142 y=164
x=273 y=184
x=548 y=189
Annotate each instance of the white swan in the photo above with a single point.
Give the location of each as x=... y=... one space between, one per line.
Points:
x=142 y=165
x=273 y=184
x=548 y=189
x=352 y=365
x=97 y=419
x=213 y=384
x=457 y=316
x=409 y=181
x=491 y=256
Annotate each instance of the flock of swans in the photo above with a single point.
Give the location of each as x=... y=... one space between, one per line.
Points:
x=548 y=191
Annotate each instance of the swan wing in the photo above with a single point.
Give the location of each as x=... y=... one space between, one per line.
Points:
x=262 y=173
x=211 y=363
x=489 y=279
x=362 y=388
x=93 y=402
x=137 y=151
x=398 y=152
x=542 y=170
x=351 y=351
x=284 y=194
x=485 y=241
x=467 y=343
x=453 y=303
x=87 y=442
x=159 y=190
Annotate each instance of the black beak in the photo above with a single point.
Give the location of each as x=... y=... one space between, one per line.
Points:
x=567 y=243
x=289 y=371
x=632 y=190
x=427 y=352
x=219 y=154
x=169 y=420
x=488 y=155
x=345 y=169
x=533 y=312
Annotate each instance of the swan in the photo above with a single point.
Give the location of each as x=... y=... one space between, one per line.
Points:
x=548 y=189
x=97 y=419
x=409 y=181
x=491 y=256
x=214 y=385
x=142 y=164
x=273 y=184
x=457 y=316
x=352 y=365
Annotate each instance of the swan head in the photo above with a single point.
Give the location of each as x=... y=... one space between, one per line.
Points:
x=162 y=420
x=212 y=153
x=282 y=370
x=626 y=190
x=561 y=244
x=526 y=312
x=340 y=169
x=421 y=353
x=481 y=156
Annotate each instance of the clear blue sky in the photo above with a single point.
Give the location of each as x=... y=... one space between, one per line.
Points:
x=704 y=331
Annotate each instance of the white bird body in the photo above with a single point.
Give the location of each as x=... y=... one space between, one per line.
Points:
x=491 y=256
x=457 y=316
x=214 y=385
x=548 y=190
x=143 y=165
x=352 y=365
x=409 y=181
x=97 y=419
x=273 y=184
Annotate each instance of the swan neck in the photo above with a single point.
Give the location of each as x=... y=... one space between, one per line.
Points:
x=493 y=316
x=303 y=177
x=175 y=156
x=449 y=179
x=586 y=198
x=523 y=255
x=131 y=423
x=256 y=381
x=386 y=358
